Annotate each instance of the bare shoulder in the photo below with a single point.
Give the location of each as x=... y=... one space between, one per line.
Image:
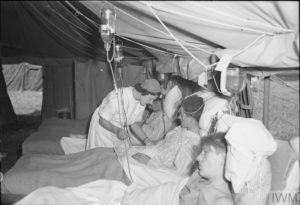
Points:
x=224 y=201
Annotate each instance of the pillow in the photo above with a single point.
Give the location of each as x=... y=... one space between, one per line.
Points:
x=225 y=121
x=213 y=105
x=172 y=101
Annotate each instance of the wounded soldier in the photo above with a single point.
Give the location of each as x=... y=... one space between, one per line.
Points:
x=241 y=159
x=206 y=186
x=180 y=146
x=178 y=150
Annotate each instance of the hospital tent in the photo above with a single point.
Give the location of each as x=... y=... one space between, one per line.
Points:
x=186 y=38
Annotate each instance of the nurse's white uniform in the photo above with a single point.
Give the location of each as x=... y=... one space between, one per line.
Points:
x=98 y=136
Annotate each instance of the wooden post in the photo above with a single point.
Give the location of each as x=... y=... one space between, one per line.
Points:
x=266 y=104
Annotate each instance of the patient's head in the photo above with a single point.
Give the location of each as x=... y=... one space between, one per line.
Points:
x=156 y=105
x=191 y=110
x=212 y=156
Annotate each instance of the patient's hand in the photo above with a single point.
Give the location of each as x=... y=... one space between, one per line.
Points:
x=142 y=158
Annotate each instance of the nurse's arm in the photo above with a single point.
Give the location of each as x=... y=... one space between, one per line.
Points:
x=139 y=133
x=121 y=133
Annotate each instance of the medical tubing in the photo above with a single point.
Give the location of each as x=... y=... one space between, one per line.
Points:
x=125 y=125
x=116 y=90
x=163 y=114
x=123 y=108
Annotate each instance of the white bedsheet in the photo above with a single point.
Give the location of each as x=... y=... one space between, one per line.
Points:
x=107 y=192
x=150 y=187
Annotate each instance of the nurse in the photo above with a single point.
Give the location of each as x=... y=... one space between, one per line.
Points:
x=107 y=126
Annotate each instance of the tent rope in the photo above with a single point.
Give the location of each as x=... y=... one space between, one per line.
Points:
x=214 y=22
x=182 y=46
x=166 y=34
x=251 y=44
x=98 y=25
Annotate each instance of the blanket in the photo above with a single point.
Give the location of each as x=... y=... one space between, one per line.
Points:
x=143 y=174
x=107 y=192
x=35 y=171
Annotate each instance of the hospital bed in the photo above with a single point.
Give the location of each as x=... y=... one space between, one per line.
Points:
x=47 y=139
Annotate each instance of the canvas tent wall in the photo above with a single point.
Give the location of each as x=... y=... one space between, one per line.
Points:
x=48 y=34
x=181 y=36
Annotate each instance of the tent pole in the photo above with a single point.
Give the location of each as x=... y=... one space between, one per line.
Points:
x=266 y=101
x=73 y=91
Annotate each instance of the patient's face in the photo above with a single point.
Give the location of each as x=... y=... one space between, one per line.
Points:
x=156 y=106
x=210 y=162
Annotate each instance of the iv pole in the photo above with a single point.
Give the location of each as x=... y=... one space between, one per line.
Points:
x=107 y=31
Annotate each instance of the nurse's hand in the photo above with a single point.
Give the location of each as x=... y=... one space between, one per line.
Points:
x=122 y=134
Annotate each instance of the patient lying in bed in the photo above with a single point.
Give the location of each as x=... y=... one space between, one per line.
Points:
x=34 y=171
x=206 y=186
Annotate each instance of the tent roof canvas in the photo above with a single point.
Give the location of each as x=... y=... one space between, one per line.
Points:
x=258 y=34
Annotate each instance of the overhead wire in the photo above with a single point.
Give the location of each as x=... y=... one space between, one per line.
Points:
x=213 y=22
x=97 y=26
x=249 y=45
x=166 y=34
x=171 y=34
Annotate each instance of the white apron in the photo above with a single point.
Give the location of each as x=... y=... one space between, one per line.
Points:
x=98 y=136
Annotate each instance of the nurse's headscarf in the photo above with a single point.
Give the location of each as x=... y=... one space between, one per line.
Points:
x=149 y=86
x=249 y=142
